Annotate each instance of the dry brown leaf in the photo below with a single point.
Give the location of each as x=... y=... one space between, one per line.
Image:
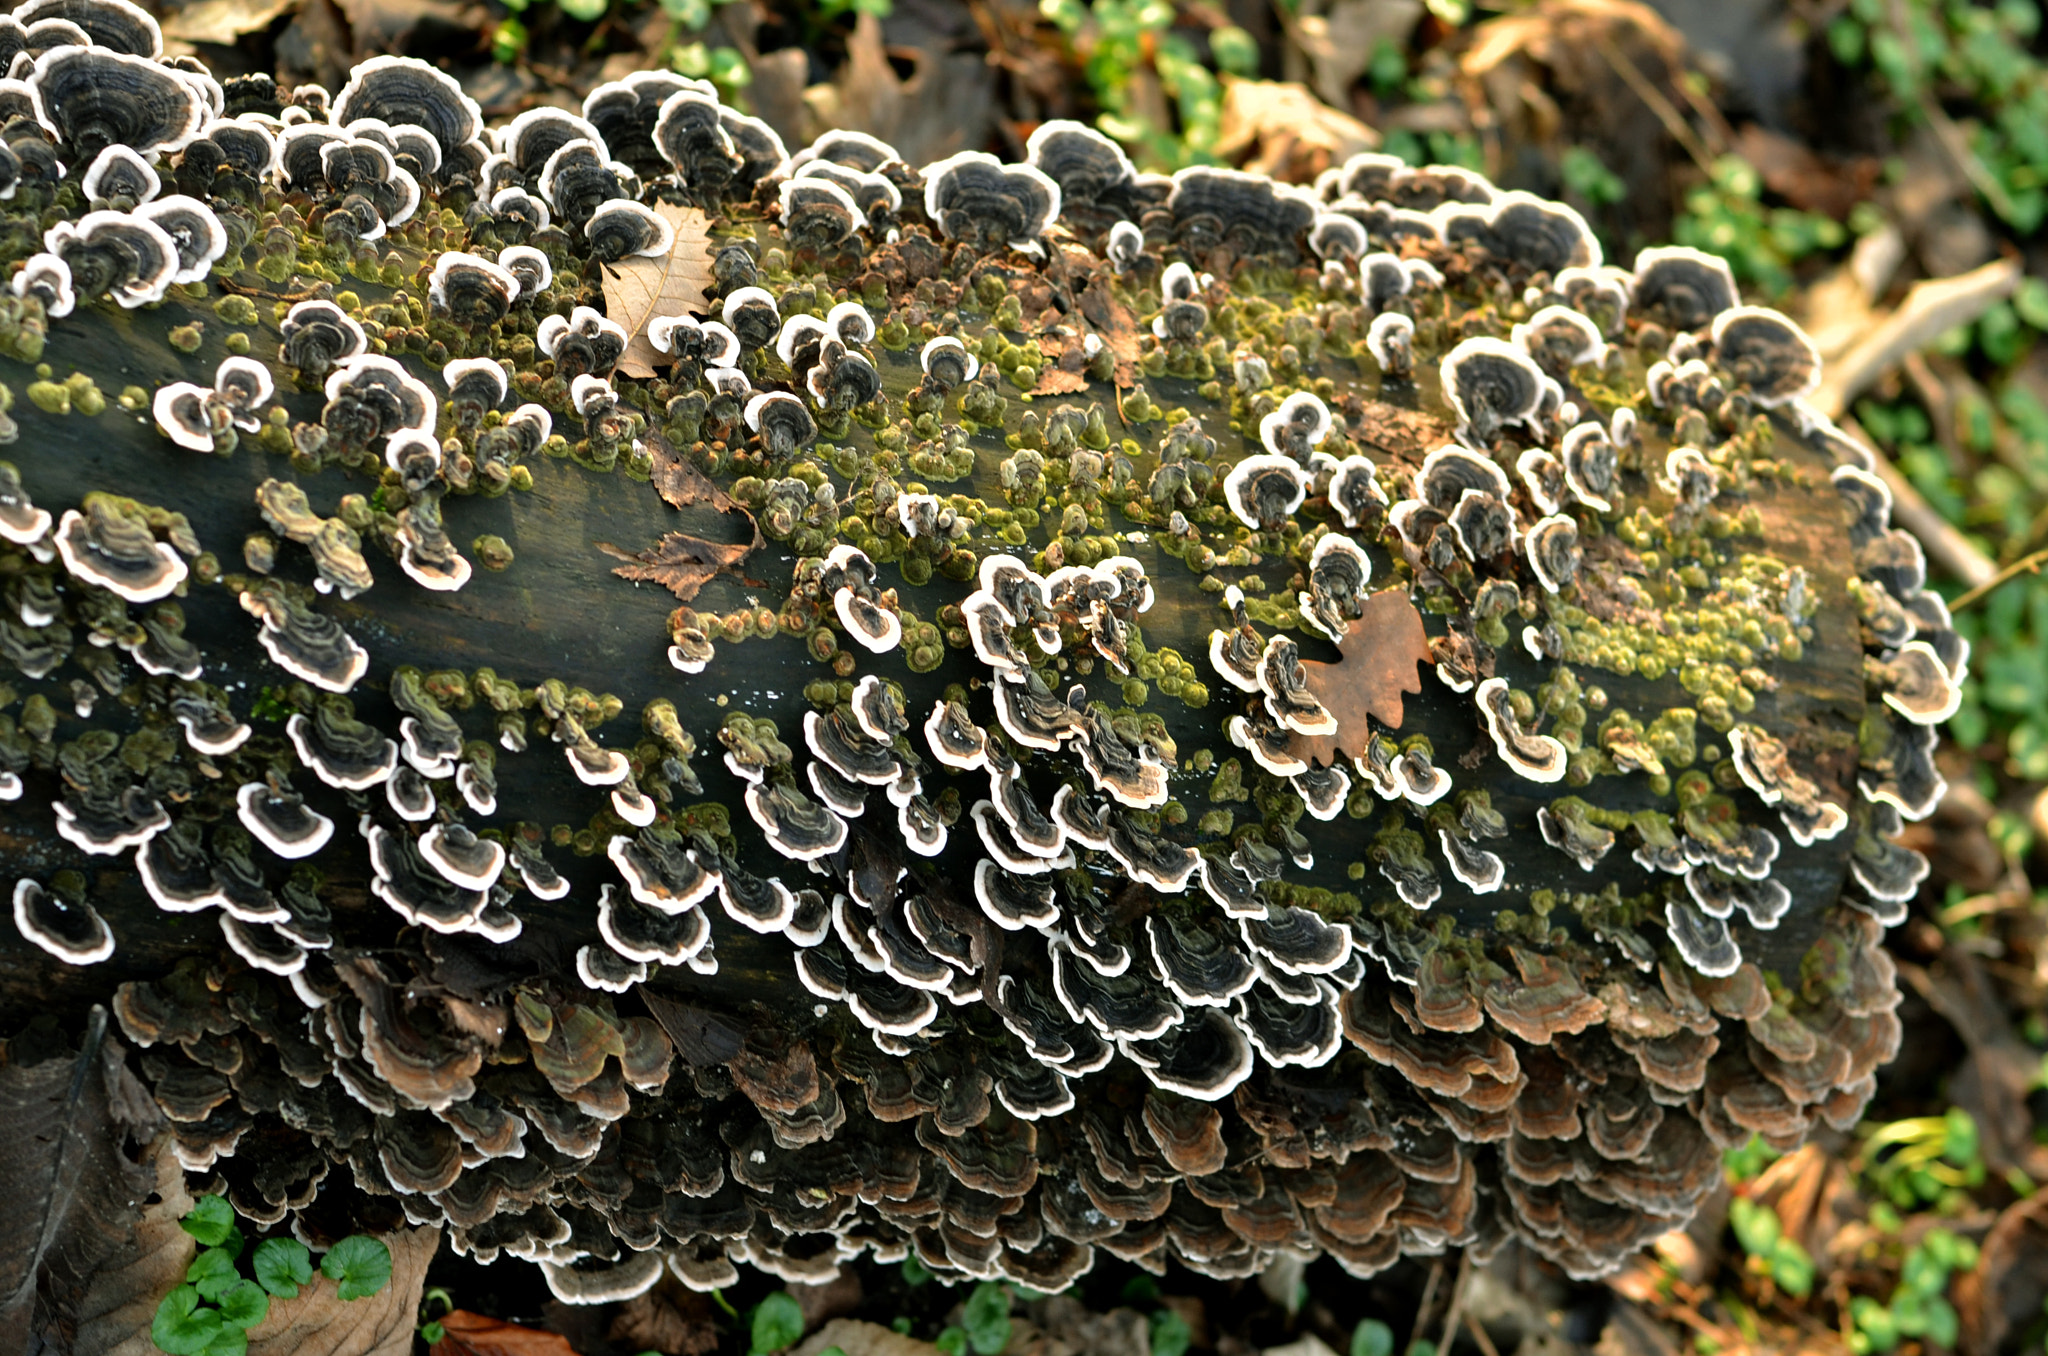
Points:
x=1381 y=650
x=680 y=563
x=320 y=1323
x=114 y=1315
x=678 y=481
x=1281 y=129
x=856 y=1338
x=1117 y=327
x=638 y=290
x=671 y=1319
x=223 y=21
x=467 y=1334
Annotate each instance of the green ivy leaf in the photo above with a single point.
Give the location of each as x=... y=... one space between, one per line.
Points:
x=212 y=1272
x=233 y=1341
x=282 y=1265
x=359 y=1266
x=244 y=1304
x=778 y=1322
x=181 y=1326
x=1170 y=1334
x=1372 y=1338
x=589 y=11
x=952 y=1341
x=986 y=1316
x=210 y=1220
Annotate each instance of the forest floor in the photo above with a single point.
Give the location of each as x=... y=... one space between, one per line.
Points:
x=1841 y=153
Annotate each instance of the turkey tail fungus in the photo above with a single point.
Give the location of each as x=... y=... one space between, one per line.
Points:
x=1319 y=773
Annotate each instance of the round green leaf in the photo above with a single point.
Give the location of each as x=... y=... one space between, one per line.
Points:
x=244 y=1305
x=181 y=1326
x=210 y=1220
x=986 y=1316
x=1170 y=1334
x=282 y=1265
x=952 y=1341
x=212 y=1272
x=358 y=1265
x=778 y=1322
x=233 y=1341
x=589 y=11
x=1372 y=1338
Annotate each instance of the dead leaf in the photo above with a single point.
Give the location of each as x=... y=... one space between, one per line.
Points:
x=638 y=290
x=467 y=1334
x=223 y=21
x=114 y=1315
x=856 y=1338
x=680 y=563
x=1381 y=650
x=678 y=481
x=1115 y=325
x=320 y=1323
x=1054 y=380
x=1998 y=1298
x=1281 y=129
x=1340 y=43
x=72 y=1194
x=671 y=1319
x=944 y=105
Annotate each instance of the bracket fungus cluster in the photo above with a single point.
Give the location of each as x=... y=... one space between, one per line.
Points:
x=1282 y=720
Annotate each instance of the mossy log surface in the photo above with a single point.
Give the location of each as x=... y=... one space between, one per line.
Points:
x=1413 y=1056
x=560 y=613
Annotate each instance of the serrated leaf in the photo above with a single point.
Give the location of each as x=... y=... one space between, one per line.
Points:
x=638 y=290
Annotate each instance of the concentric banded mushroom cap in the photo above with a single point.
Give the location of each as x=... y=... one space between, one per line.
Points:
x=130 y=257
x=399 y=90
x=974 y=196
x=69 y=929
x=94 y=97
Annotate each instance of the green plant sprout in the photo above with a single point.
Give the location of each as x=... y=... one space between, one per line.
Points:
x=1726 y=216
x=778 y=1322
x=1924 y=1161
x=212 y=1312
x=1919 y=1307
x=430 y=1329
x=1372 y=1338
x=1986 y=51
x=1746 y=1162
x=1757 y=1228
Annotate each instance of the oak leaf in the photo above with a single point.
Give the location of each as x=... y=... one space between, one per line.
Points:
x=1381 y=649
x=638 y=290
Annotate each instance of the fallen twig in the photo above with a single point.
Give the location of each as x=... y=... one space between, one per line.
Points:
x=2030 y=564
x=1931 y=309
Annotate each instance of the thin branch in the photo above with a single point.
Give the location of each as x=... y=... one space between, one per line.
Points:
x=1930 y=309
x=2024 y=565
x=1632 y=76
x=1450 y=1333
